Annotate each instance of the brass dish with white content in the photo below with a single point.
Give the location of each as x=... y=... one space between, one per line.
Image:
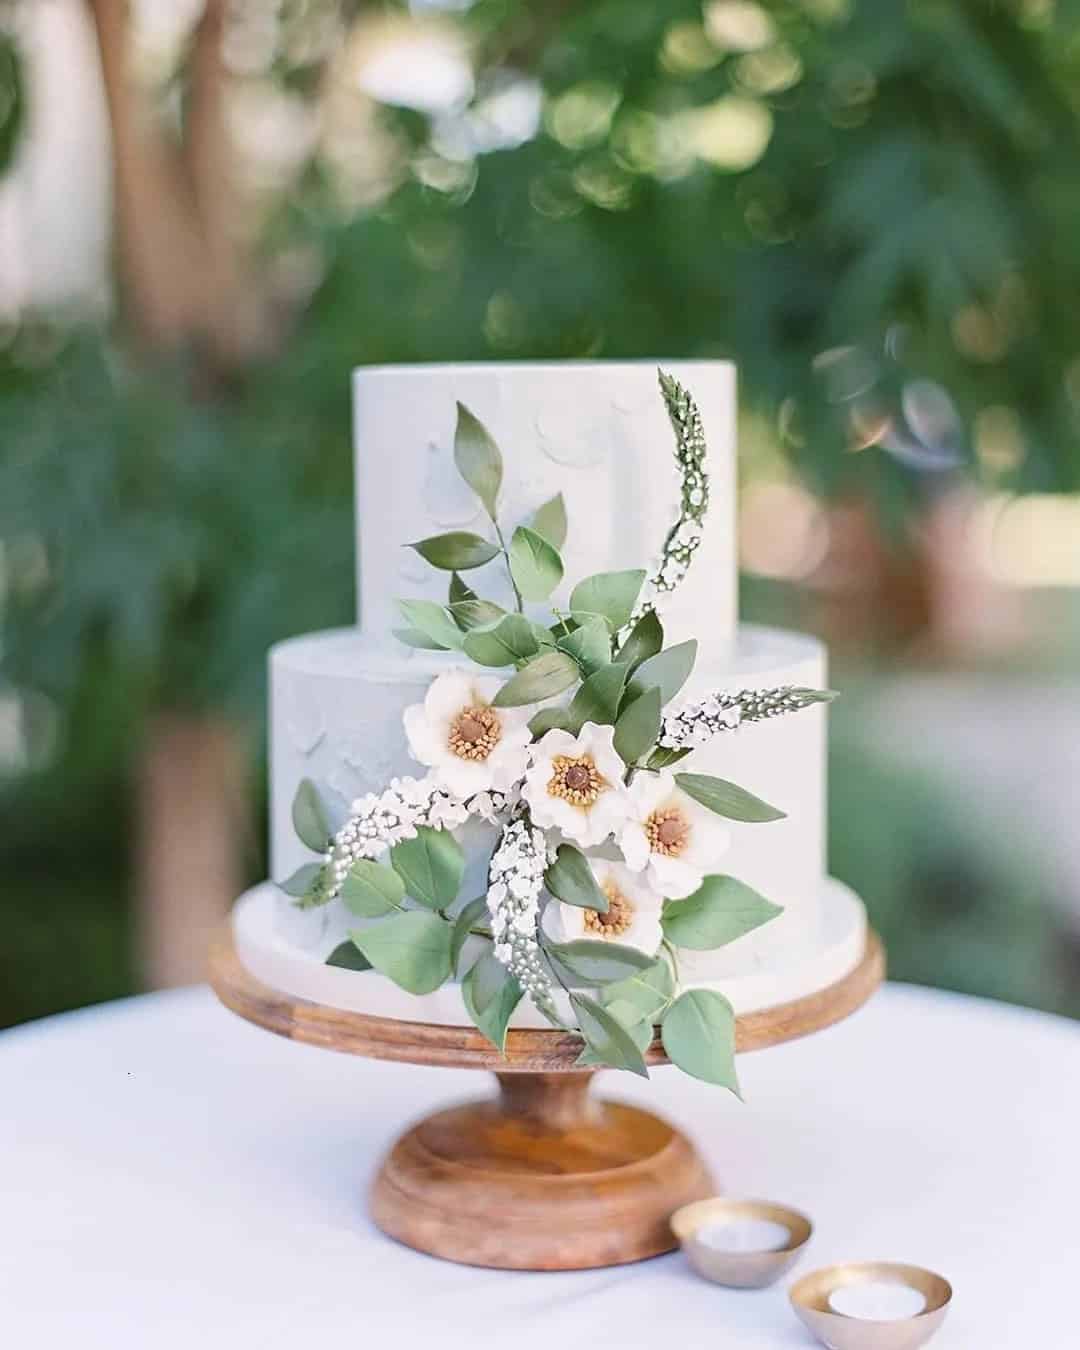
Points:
x=746 y=1269
x=811 y=1298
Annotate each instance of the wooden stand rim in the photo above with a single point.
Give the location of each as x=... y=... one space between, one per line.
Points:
x=527 y=1051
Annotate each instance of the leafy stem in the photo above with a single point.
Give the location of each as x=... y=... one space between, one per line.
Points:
x=509 y=570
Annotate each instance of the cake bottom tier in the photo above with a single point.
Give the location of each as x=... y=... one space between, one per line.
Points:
x=752 y=981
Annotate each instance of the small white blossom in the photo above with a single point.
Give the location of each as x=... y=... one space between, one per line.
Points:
x=632 y=917
x=516 y=881
x=470 y=746
x=575 y=784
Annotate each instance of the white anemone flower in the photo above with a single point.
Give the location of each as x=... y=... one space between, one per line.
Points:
x=632 y=917
x=469 y=745
x=670 y=837
x=575 y=784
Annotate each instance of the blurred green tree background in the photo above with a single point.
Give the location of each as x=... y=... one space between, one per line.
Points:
x=872 y=209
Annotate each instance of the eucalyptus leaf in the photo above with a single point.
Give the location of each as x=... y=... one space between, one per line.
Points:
x=598 y=698
x=457 y=551
x=470 y=614
x=412 y=637
x=646 y=638
x=598 y=962
x=550 y=521
x=309 y=817
x=546 y=719
x=727 y=799
x=471 y=916
x=431 y=865
x=589 y=644
x=640 y=1032
x=571 y=879
x=720 y=911
x=371 y=889
x=348 y=956
x=667 y=670
x=608 y=1040
x=612 y=594
x=460 y=590
x=478 y=459
x=412 y=948
x=510 y=639
x=545 y=675
x=638 y=727
x=534 y=564
x=434 y=620
x=647 y=992
x=698 y=1032
x=665 y=755
x=304 y=879
x=490 y=994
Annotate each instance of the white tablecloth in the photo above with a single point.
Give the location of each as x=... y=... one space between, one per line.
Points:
x=172 y=1177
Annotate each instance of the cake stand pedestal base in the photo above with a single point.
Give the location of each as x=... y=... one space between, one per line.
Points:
x=543 y=1177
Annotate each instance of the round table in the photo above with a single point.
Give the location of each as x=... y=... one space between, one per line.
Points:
x=173 y=1177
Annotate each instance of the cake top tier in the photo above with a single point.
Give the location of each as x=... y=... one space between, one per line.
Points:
x=596 y=431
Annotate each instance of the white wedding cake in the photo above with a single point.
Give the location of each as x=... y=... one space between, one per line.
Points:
x=599 y=434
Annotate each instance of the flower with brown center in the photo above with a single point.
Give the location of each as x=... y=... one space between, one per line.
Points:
x=470 y=745
x=671 y=837
x=575 y=784
x=632 y=917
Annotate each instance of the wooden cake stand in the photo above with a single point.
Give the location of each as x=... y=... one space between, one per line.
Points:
x=544 y=1176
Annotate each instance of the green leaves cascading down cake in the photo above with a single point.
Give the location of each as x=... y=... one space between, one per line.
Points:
x=550 y=780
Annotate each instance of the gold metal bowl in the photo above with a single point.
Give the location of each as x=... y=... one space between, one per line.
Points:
x=810 y=1298
x=739 y=1270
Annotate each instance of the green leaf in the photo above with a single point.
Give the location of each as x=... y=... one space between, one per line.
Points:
x=460 y=591
x=348 y=956
x=457 y=551
x=504 y=643
x=550 y=521
x=646 y=639
x=309 y=817
x=598 y=698
x=372 y=889
x=668 y=670
x=303 y=880
x=431 y=866
x=612 y=594
x=727 y=799
x=412 y=637
x=647 y=993
x=534 y=564
x=665 y=755
x=640 y=1032
x=474 y=913
x=547 y=718
x=411 y=948
x=589 y=644
x=470 y=614
x=638 y=727
x=570 y=879
x=698 y=1032
x=610 y=1042
x=598 y=962
x=490 y=994
x=546 y=675
x=477 y=458
x=434 y=620
x=719 y=911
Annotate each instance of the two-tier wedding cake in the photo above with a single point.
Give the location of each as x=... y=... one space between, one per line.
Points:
x=512 y=723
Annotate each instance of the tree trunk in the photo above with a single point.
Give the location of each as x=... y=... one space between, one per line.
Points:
x=190 y=826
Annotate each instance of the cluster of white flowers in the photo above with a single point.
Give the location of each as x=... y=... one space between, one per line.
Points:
x=515 y=883
x=378 y=821
x=694 y=724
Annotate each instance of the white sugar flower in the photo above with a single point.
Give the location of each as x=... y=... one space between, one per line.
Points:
x=632 y=916
x=575 y=784
x=671 y=838
x=470 y=746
